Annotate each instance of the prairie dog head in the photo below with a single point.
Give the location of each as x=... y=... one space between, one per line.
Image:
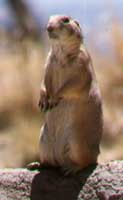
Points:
x=64 y=29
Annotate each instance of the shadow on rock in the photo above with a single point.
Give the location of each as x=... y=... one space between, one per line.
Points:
x=52 y=184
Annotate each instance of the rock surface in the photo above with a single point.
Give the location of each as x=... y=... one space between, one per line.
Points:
x=101 y=182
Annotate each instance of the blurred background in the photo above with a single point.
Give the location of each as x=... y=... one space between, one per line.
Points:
x=23 y=49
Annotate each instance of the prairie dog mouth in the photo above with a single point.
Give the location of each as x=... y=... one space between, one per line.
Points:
x=53 y=35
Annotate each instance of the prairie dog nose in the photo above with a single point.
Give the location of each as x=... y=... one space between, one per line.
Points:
x=50 y=28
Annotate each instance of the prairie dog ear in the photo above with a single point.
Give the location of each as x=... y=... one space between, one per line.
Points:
x=77 y=23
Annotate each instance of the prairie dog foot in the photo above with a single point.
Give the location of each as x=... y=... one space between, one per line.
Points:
x=34 y=166
x=43 y=101
x=46 y=103
x=53 y=101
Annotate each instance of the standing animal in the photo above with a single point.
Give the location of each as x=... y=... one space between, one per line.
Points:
x=71 y=100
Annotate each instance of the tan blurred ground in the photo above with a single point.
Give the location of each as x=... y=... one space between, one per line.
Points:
x=21 y=71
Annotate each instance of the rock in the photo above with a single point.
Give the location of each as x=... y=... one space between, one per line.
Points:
x=105 y=183
x=101 y=182
x=15 y=184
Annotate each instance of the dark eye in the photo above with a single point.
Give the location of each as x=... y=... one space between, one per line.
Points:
x=66 y=20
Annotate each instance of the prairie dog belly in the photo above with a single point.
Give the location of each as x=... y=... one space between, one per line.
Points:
x=55 y=135
x=63 y=140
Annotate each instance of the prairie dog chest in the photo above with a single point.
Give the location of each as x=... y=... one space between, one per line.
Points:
x=61 y=73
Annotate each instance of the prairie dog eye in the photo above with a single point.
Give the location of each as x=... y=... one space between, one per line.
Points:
x=66 y=20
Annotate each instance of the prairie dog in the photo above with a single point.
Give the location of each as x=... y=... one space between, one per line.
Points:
x=70 y=96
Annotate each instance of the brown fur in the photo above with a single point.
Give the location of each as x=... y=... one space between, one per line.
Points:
x=71 y=135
